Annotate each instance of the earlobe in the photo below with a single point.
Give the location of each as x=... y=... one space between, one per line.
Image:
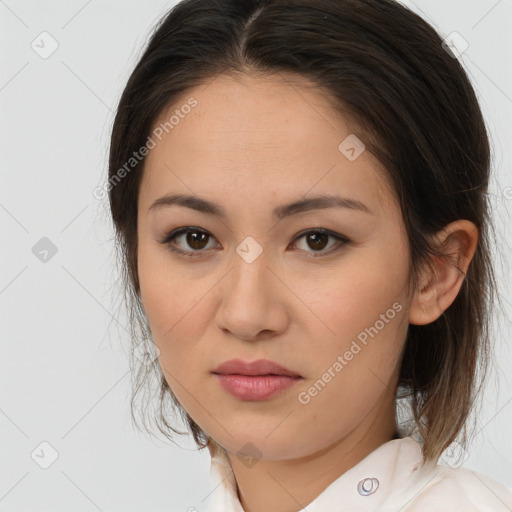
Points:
x=443 y=277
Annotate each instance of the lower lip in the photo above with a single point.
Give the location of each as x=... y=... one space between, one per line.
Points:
x=257 y=387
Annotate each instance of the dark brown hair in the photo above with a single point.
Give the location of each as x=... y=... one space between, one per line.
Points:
x=387 y=69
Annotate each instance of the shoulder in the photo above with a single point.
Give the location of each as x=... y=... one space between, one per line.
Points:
x=446 y=489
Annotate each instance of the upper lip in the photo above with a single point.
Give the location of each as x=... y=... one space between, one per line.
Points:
x=259 y=367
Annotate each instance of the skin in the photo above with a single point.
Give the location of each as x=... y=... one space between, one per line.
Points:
x=252 y=144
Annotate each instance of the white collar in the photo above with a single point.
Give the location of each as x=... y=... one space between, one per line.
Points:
x=394 y=468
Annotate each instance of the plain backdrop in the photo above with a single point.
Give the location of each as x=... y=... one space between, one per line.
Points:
x=64 y=375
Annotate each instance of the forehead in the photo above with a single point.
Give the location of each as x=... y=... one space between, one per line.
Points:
x=249 y=133
x=252 y=113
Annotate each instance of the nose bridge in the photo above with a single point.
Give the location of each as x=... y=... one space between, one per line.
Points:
x=250 y=274
x=248 y=298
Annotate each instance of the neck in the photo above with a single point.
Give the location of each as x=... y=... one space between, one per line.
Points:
x=290 y=485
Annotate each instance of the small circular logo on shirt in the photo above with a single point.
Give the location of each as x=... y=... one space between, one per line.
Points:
x=367 y=486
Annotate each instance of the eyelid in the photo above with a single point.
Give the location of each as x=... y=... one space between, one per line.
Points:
x=343 y=240
x=170 y=237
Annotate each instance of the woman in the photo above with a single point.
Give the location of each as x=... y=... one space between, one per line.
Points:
x=299 y=194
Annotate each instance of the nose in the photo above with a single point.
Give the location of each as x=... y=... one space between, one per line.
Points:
x=253 y=300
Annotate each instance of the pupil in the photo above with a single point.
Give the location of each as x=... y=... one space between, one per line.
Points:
x=194 y=243
x=316 y=242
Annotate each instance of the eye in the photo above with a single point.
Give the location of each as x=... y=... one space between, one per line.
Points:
x=195 y=238
x=194 y=241
x=317 y=239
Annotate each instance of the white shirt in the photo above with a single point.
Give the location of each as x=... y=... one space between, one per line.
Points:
x=389 y=479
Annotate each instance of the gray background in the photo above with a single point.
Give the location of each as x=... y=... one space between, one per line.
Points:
x=64 y=375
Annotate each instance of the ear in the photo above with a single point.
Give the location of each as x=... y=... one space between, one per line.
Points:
x=442 y=280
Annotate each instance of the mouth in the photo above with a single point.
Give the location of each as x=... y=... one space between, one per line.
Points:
x=256 y=381
x=261 y=368
x=255 y=387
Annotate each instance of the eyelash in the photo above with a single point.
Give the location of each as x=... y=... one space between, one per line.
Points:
x=199 y=252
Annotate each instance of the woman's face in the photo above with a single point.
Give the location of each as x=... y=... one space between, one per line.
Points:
x=251 y=284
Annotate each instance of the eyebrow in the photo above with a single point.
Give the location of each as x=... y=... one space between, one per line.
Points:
x=280 y=212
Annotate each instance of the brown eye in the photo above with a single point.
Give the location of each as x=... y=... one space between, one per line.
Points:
x=188 y=241
x=196 y=239
x=317 y=241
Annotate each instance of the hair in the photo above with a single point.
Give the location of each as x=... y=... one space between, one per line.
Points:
x=385 y=68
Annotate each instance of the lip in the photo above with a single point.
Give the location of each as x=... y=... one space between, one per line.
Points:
x=254 y=381
x=260 y=367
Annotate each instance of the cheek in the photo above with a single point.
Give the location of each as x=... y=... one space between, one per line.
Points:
x=176 y=304
x=166 y=297
x=164 y=292
x=355 y=360
x=169 y=309
x=363 y=324
x=345 y=303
